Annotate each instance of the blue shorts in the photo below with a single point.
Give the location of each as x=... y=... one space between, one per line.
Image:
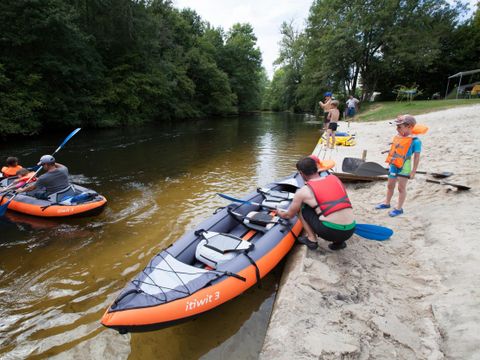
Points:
x=394 y=172
x=351 y=112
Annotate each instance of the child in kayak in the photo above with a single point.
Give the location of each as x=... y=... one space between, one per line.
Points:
x=404 y=146
x=23 y=175
x=11 y=167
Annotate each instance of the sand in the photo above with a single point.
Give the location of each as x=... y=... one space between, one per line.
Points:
x=415 y=296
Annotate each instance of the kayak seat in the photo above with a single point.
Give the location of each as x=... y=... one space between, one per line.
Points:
x=62 y=194
x=217 y=248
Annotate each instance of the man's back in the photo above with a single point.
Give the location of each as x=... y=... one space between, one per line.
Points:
x=53 y=181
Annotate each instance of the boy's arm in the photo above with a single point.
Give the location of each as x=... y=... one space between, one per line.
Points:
x=416 y=161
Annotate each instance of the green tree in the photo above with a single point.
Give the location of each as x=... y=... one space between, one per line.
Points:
x=242 y=60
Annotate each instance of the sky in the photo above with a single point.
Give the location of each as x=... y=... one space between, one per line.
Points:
x=265 y=16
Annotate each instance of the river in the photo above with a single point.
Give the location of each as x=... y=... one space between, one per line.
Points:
x=57 y=277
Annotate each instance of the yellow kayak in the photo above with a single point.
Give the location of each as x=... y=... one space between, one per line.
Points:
x=341 y=138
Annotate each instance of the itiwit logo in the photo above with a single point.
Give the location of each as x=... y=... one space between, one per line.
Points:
x=195 y=303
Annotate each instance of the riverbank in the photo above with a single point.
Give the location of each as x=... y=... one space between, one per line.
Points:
x=415 y=296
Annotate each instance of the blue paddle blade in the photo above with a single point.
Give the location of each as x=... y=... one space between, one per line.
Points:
x=3 y=208
x=373 y=232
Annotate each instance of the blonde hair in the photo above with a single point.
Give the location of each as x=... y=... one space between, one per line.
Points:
x=335 y=103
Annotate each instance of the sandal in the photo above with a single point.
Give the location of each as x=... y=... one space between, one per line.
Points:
x=382 y=206
x=312 y=245
x=395 y=212
x=337 y=246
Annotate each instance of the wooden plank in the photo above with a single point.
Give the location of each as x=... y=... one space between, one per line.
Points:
x=346 y=177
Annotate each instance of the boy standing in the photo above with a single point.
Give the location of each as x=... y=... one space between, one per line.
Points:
x=404 y=145
x=333 y=116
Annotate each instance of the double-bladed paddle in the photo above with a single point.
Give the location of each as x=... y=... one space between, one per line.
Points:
x=360 y=167
x=367 y=231
x=458 y=186
x=3 y=208
x=374 y=169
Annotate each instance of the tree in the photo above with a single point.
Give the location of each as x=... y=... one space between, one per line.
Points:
x=241 y=59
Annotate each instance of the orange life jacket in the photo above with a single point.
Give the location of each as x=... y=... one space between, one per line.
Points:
x=330 y=194
x=398 y=150
x=9 y=171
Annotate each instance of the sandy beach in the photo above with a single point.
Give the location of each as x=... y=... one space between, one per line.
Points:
x=415 y=296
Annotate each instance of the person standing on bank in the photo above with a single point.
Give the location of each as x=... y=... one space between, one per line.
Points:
x=333 y=116
x=326 y=106
x=405 y=146
x=352 y=104
x=322 y=206
x=54 y=180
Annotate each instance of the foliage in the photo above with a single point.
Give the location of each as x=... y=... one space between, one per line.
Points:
x=103 y=63
x=373 y=45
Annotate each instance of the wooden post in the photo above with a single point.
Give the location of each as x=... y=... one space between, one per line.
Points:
x=364 y=155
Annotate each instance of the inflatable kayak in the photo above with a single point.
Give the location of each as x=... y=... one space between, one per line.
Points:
x=341 y=138
x=218 y=260
x=76 y=200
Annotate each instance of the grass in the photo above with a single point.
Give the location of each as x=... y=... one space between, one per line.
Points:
x=390 y=109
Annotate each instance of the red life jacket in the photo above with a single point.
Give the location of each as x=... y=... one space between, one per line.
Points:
x=330 y=194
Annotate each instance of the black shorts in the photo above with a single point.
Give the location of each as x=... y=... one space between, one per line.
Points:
x=333 y=126
x=326 y=233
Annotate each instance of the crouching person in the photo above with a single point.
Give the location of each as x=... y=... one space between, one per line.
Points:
x=322 y=206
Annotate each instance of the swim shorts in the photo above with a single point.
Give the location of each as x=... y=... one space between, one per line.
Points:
x=333 y=126
x=394 y=172
x=327 y=230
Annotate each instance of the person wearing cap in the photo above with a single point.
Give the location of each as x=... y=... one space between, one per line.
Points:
x=404 y=147
x=322 y=205
x=326 y=105
x=54 y=180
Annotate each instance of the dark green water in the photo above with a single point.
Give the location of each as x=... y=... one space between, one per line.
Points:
x=58 y=277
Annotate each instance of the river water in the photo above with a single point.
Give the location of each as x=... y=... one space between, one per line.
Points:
x=57 y=277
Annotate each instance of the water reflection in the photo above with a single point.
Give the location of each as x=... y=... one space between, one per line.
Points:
x=57 y=277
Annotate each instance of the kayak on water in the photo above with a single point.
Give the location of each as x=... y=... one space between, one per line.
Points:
x=75 y=200
x=218 y=260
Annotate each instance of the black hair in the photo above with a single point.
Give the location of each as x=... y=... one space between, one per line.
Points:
x=12 y=161
x=307 y=165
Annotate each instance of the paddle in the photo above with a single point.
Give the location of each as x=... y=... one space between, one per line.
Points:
x=371 y=168
x=350 y=164
x=373 y=232
x=367 y=231
x=3 y=208
x=245 y=201
x=458 y=186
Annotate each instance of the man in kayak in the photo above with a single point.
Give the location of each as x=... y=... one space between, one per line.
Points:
x=54 y=180
x=322 y=206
